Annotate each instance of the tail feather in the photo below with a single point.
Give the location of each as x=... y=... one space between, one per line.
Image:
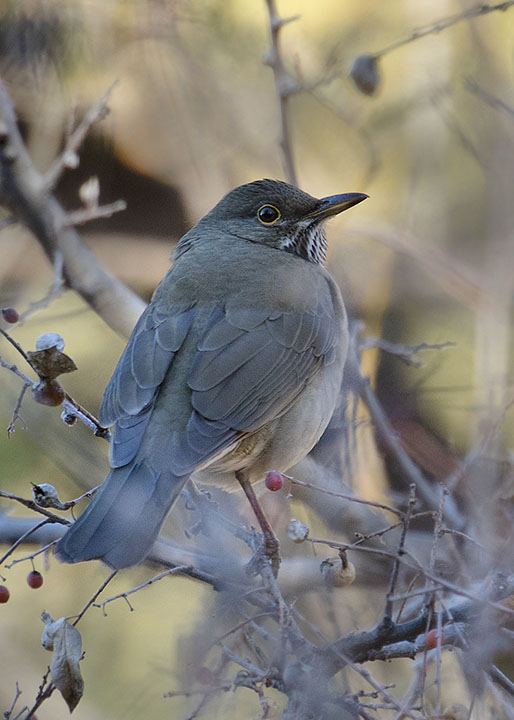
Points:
x=121 y=523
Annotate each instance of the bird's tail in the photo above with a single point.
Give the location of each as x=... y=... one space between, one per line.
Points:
x=121 y=523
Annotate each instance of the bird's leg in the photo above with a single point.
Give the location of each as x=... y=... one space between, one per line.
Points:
x=271 y=543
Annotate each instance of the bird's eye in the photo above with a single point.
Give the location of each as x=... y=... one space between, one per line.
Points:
x=268 y=214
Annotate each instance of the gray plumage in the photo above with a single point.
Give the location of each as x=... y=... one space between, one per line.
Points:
x=235 y=365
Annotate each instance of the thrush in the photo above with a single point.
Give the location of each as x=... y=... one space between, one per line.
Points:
x=233 y=369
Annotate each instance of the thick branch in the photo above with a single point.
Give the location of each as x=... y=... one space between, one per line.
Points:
x=24 y=192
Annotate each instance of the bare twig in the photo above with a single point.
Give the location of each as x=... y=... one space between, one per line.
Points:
x=68 y=158
x=388 y=610
x=32 y=555
x=22 y=539
x=33 y=506
x=285 y=85
x=445 y=23
x=54 y=292
x=94 y=596
x=84 y=215
x=350 y=498
x=25 y=193
x=8 y=713
x=391 y=439
x=16 y=412
x=405 y=353
x=156 y=578
x=44 y=692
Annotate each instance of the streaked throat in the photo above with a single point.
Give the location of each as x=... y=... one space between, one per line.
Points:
x=309 y=242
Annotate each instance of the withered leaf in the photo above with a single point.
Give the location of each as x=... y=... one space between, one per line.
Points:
x=50 y=363
x=66 y=643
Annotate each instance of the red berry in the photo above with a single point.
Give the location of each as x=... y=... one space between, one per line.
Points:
x=10 y=315
x=34 y=579
x=48 y=392
x=274 y=480
x=4 y=594
x=431 y=639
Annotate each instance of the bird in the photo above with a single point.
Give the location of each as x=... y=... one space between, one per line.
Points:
x=233 y=369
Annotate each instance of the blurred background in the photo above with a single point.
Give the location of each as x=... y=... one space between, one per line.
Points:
x=427 y=259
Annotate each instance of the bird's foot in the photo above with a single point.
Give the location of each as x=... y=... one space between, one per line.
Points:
x=272 y=551
x=268 y=551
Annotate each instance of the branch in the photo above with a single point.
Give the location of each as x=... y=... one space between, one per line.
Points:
x=445 y=23
x=284 y=86
x=24 y=191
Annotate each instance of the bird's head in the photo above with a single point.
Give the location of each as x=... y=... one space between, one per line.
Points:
x=279 y=215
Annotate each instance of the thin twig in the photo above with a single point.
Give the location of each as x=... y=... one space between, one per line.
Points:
x=16 y=412
x=55 y=291
x=9 y=712
x=388 y=610
x=32 y=555
x=98 y=111
x=403 y=352
x=445 y=23
x=24 y=192
x=85 y=215
x=93 y=597
x=156 y=578
x=284 y=86
x=350 y=498
x=34 y=506
x=22 y=538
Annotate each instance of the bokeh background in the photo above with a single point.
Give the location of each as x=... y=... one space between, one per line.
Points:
x=427 y=259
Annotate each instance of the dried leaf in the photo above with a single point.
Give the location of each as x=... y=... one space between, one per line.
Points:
x=50 y=363
x=66 y=643
x=45 y=495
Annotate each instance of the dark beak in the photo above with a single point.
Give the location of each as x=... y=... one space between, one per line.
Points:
x=335 y=204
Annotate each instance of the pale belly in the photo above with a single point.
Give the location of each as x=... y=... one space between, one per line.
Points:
x=283 y=442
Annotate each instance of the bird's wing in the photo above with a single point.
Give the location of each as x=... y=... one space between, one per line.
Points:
x=129 y=397
x=249 y=368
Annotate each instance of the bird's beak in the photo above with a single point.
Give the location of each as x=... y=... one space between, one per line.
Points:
x=335 y=204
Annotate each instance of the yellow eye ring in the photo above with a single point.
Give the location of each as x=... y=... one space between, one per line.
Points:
x=268 y=214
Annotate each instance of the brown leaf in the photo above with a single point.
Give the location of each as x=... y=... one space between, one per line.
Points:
x=50 y=363
x=66 y=643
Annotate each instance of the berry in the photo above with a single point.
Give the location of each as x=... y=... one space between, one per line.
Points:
x=431 y=639
x=4 y=594
x=10 y=315
x=274 y=480
x=48 y=392
x=34 y=579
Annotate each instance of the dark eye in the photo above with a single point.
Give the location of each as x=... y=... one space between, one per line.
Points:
x=268 y=214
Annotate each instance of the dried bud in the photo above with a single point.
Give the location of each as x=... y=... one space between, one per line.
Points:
x=45 y=495
x=365 y=74
x=71 y=160
x=89 y=192
x=456 y=711
x=50 y=340
x=297 y=530
x=68 y=418
x=10 y=315
x=48 y=392
x=338 y=572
